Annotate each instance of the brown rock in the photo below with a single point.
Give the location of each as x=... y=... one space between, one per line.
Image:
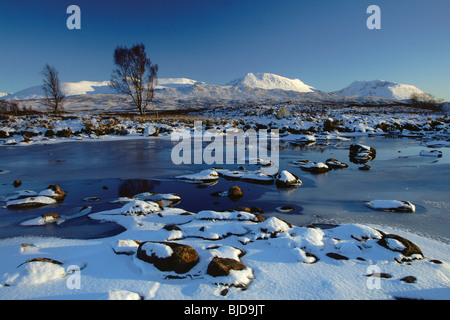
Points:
x=259 y=218
x=41 y=259
x=219 y=267
x=410 y=248
x=183 y=257
x=59 y=194
x=235 y=193
x=17 y=183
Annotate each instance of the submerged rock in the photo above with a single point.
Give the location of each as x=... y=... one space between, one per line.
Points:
x=235 y=193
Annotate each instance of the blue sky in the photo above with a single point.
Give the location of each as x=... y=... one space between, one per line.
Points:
x=324 y=43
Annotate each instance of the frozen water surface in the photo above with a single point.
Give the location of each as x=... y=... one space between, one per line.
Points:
x=96 y=173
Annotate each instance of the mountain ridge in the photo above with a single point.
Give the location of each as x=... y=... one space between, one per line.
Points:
x=381 y=89
x=253 y=87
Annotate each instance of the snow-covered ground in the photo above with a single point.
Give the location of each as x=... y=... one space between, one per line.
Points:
x=280 y=261
x=294 y=123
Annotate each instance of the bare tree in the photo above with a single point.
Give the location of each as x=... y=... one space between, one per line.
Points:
x=54 y=96
x=134 y=75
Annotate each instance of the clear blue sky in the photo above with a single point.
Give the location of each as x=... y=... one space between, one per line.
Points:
x=325 y=43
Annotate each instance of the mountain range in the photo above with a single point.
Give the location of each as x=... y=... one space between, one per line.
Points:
x=252 y=88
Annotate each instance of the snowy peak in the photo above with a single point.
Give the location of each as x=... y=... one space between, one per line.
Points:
x=270 y=81
x=381 y=89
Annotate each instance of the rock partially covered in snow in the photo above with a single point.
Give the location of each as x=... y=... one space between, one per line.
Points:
x=151 y=131
x=360 y=153
x=274 y=225
x=55 y=192
x=42 y=220
x=231 y=272
x=432 y=153
x=139 y=207
x=399 y=244
x=392 y=205
x=36 y=271
x=286 y=179
x=315 y=167
x=168 y=256
x=30 y=202
x=335 y=164
x=207 y=175
x=125 y=246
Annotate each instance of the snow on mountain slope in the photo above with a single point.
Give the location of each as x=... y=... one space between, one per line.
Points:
x=2 y=94
x=174 y=83
x=91 y=87
x=380 y=88
x=69 y=88
x=270 y=81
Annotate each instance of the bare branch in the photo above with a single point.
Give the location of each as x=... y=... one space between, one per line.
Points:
x=54 y=96
x=134 y=75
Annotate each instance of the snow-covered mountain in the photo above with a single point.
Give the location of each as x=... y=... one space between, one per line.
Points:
x=270 y=81
x=69 y=88
x=2 y=94
x=254 y=88
x=92 y=87
x=381 y=89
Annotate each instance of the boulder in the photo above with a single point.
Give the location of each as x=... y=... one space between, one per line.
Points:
x=55 y=192
x=30 y=202
x=335 y=164
x=235 y=193
x=360 y=153
x=220 y=267
x=315 y=167
x=392 y=205
x=168 y=256
x=286 y=179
